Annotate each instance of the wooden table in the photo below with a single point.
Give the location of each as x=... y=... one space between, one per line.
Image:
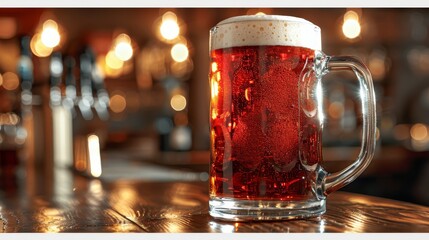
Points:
x=79 y=204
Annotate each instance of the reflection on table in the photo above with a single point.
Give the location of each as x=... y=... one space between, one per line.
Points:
x=175 y=201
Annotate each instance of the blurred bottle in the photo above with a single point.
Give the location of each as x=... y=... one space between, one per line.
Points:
x=62 y=125
x=34 y=155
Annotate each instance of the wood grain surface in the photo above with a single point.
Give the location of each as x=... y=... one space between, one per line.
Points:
x=91 y=205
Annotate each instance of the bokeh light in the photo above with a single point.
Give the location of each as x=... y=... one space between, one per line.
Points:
x=9 y=119
x=178 y=102
x=169 y=27
x=50 y=36
x=351 y=26
x=214 y=67
x=112 y=61
x=419 y=132
x=179 y=52
x=94 y=155
x=118 y=103
x=10 y=81
x=38 y=48
x=123 y=49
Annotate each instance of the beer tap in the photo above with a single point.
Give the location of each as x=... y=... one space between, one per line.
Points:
x=70 y=97
x=101 y=101
x=86 y=100
x=56 y=72
x=25 y=71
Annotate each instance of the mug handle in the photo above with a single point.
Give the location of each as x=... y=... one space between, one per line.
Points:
x=336 y=180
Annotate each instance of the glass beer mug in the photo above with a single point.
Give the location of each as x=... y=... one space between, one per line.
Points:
x=266 y=119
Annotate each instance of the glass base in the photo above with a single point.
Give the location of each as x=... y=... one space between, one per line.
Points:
x=248 y=210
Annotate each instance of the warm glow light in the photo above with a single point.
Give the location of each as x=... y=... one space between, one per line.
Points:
x=50 y=36
x=94 y=155
x=214 y=92
x=105 y=70
x=178 y=102
x=169 y=27
x=10 y=81
x=53 y=228
x=9 y=119
x=123 y=49
x=419 y=132
x=351 y=26
x=351 y=15
x=117 y=103
x=1 y=80
x=214 y=113
x=112 y=61
x=214 y=67
x=38 y=48
x=179 y=52
x=50 y=24
x=260 y=13
x=215 y=88
x=127 y=193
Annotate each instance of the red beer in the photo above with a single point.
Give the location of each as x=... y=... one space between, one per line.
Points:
x=263 y=144
x=266 y=119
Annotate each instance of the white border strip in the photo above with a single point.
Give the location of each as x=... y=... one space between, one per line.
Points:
x=214 y=3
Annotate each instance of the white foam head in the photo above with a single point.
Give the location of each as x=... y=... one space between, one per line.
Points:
x=257 y=30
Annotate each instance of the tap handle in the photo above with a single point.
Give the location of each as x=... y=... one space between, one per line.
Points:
x=25 y=65
x=56 y=69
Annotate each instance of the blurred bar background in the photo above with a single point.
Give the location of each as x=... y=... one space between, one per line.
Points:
x=123 y=93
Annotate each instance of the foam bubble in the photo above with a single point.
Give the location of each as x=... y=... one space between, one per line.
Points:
x=255 y=30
